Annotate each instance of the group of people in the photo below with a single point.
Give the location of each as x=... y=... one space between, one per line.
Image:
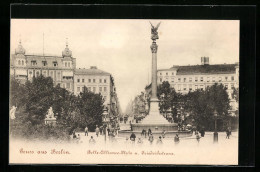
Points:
x=140 y=141
x=151 y=137
x=100 y=131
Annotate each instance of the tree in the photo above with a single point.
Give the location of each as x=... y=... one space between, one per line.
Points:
x=169 y=100
x=235 y=94
x=40 y=98
x=18 y=93
x=90 y=109
x=35 y=98
x=202 y=103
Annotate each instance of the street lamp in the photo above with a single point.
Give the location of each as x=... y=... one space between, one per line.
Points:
x=105 y=120
x=215 y=135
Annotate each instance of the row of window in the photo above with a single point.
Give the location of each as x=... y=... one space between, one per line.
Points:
x=44 y=63
x=92 y=80
x=201 y=79
x=21 y=62
x=185 y=87
x=93 y=89
x=167 y=73
x=51 y=74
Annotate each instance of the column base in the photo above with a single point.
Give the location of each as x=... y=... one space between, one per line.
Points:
x=154 y=107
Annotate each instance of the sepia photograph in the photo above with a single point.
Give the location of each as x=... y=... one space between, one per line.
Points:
x=124 y=91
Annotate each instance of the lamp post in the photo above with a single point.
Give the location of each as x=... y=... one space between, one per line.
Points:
x=105 y=120
x=215 y=135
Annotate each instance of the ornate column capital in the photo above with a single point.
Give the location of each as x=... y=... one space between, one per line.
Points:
x=154 y=47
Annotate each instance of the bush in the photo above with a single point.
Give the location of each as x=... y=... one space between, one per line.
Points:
x=39 y=132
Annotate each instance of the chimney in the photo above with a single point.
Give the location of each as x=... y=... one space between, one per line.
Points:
x=204 y=60
x=93 y=67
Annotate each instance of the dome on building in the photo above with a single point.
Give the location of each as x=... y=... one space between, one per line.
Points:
x=67 y=52
x=20 y=49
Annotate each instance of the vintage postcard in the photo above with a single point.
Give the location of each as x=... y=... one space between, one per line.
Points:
x=124 y=91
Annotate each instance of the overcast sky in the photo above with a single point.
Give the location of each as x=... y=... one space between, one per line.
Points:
x=122 y=47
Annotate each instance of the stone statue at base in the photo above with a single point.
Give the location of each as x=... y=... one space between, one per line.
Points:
x=12 y=112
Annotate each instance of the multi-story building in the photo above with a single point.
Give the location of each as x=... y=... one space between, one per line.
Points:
x=59 y=68
x=62 y=69
x=97 y=81
x=192 y=77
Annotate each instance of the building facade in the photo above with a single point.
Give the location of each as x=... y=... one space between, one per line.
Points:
x=98 y=81
x=190 y=78
x=59 y=68
x=62 y=69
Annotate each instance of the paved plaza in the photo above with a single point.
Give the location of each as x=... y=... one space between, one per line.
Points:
x=205 y=141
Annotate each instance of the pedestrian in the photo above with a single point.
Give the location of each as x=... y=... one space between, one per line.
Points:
x=97 y=130
x=150 y=139
x=101 y=129
x=179 y=126
x=228 y=133
x=78 y=139
x=142 y=133
x=163 y=134
x=198 y=137
x=149 y=132
x=202 y=132
x=132 y=137
x=159 y=141
x=86 y=131
x=91 y=140
x=229 y=130
x=126 y=140
x=176 y=139
x=140 y=141
x=74 y=134
x=145 y=133
x=196 y=131
x=108 y=131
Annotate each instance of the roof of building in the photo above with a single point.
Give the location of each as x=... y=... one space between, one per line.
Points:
x=205 y=69
x=91 y=71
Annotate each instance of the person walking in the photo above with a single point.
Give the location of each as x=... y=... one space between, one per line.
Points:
x=142 y=133
x=91 y=140
x=132 y=137
x=150 y=139
x=145 y=133
x=86 y=131
x=101 y=130
x=74 y=134
x=97 y=130
x=149 y=132
x=159 y=141
x=176 y=139
x=140 y=141
x=198 y=137
x=163 y=134
x=227 y=133
x=202 y=132
x=78 y=139
x=108 y=131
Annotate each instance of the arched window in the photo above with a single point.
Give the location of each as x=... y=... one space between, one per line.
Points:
x=19 y=62
x=68 y=64
x=65 y=64
x=22 y=62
